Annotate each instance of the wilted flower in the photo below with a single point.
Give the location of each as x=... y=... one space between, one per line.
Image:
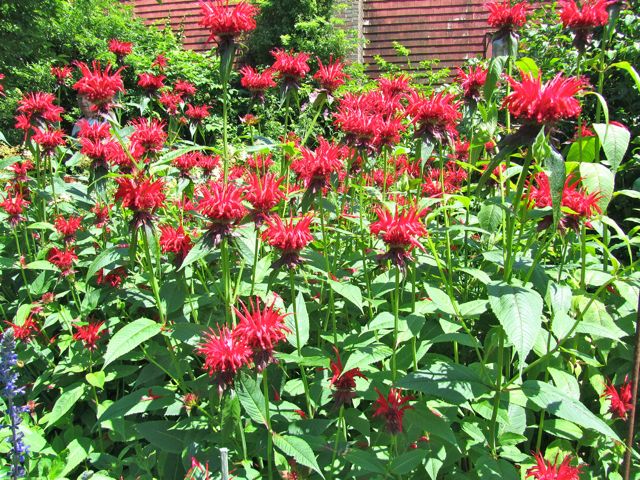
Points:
x=544 y=470
x=224 y=355
x=289 y=237
x=343 y=382
x=392 y=408
x=261 y=329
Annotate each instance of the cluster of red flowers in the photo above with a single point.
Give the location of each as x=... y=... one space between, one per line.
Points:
x=150 y=83
x=97 y=144
x=253 y=339
x=544 y=104
x=581 y=20
x=435 y=117
x=35 y=109
x=148 y=136
x=97 y=85
x=443 y=180
x=579 y=204
x=400 y=231
x=67 y=227
x=225 y=22
x=176 y=241
x=222 y=205
x=257 y=82
x=263 y=193
x=63 y=259
x=18 y=194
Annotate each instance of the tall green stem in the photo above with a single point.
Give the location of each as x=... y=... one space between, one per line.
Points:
x=265 y=390
x=496 y=398
x=396 y=322
x=303 y=374
x=152 y=277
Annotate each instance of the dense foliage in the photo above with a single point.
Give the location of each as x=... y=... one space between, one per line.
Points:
x=285 y=272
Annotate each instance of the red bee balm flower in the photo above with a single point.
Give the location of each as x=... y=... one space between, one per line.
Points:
x=316 y=166
x=330 y=76
x=544 y=470
x=544 y=104
x=97 y=85
x=400 y=231
x=582 y=20
x=261 y=330
x=67 y=227
x=291 y=67
x=39 y=106
x=121 y=49
x=175 y=240
x=150 y=83
x=222 y=204
x=141 y=195
x=392 y=408
x=435 y=117
x=48 y=139
x=14 y=206
x=184 y=88
x=25 y=331
x=343 y=382
x=504 y=16
x=226 y=22
x=63 y=259
x=160 y=62
x=170 y=102
x=88 y=334
x=257 y=83
x=224 y=355
x=61 y=74
x=472 y=81
x=620 y=401
x=263 y=193
x=197 y=113
x=288 y=237
x=148 y=136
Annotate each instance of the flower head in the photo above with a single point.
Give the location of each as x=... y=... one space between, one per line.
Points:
x=160 y=62
x=472 y=82
x=394 y=86
x=61 y=74
x=148 y=136
x=291 y=67
x=544 y=104
x=48 y=139
x=184 y=88
x=261 y=329
x=224 y=355
x=226 y=22
x=544 y=470
x=392 y=408
x=150 y=83
x=289 y=237
x=260 y=162
x=343 y=382
x=263 y=193
x=28 y=329
x=316 y=166
x=620 y=399
x=222 y=205
x=88 y=334
x=14 y=205
x=63 y=259
x=175 y=240
x=120 y=48
x=67 y=227
x=39 y=106
x=504 y=16
x=170 y=101
x=330 y=76
x=435 y=117
x=400 y=231
x=197 y=113
x=257 y=83
x=582 y=20
x=142 y=195
x=97 y=85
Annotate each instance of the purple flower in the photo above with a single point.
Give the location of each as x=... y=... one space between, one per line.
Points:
x=8 y=391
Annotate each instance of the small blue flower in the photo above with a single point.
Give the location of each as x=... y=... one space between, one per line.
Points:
x=9 y=390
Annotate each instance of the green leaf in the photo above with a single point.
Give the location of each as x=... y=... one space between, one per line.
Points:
x=489 y=468
x=496 y=65
x=449 y=381
x=129 y=337
x=367 y=355
x=41 y=265
x=597 y=178
x=556 y=402
x=299 y=449
x=159 y=434
x=348 y=291
x=96 y=379
x=440 y=299
x=626 y=66
x=138 y=401
x=251 y=398
x=528 y=65
x=366 y=460
x=65 y=403
x=519 y=311
x=557 y=177
x=200 y=249
x=408 y=461
x=303 y=322
x=615 y=142
x=78 y=452
x=490 y=216
x=104 y=258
